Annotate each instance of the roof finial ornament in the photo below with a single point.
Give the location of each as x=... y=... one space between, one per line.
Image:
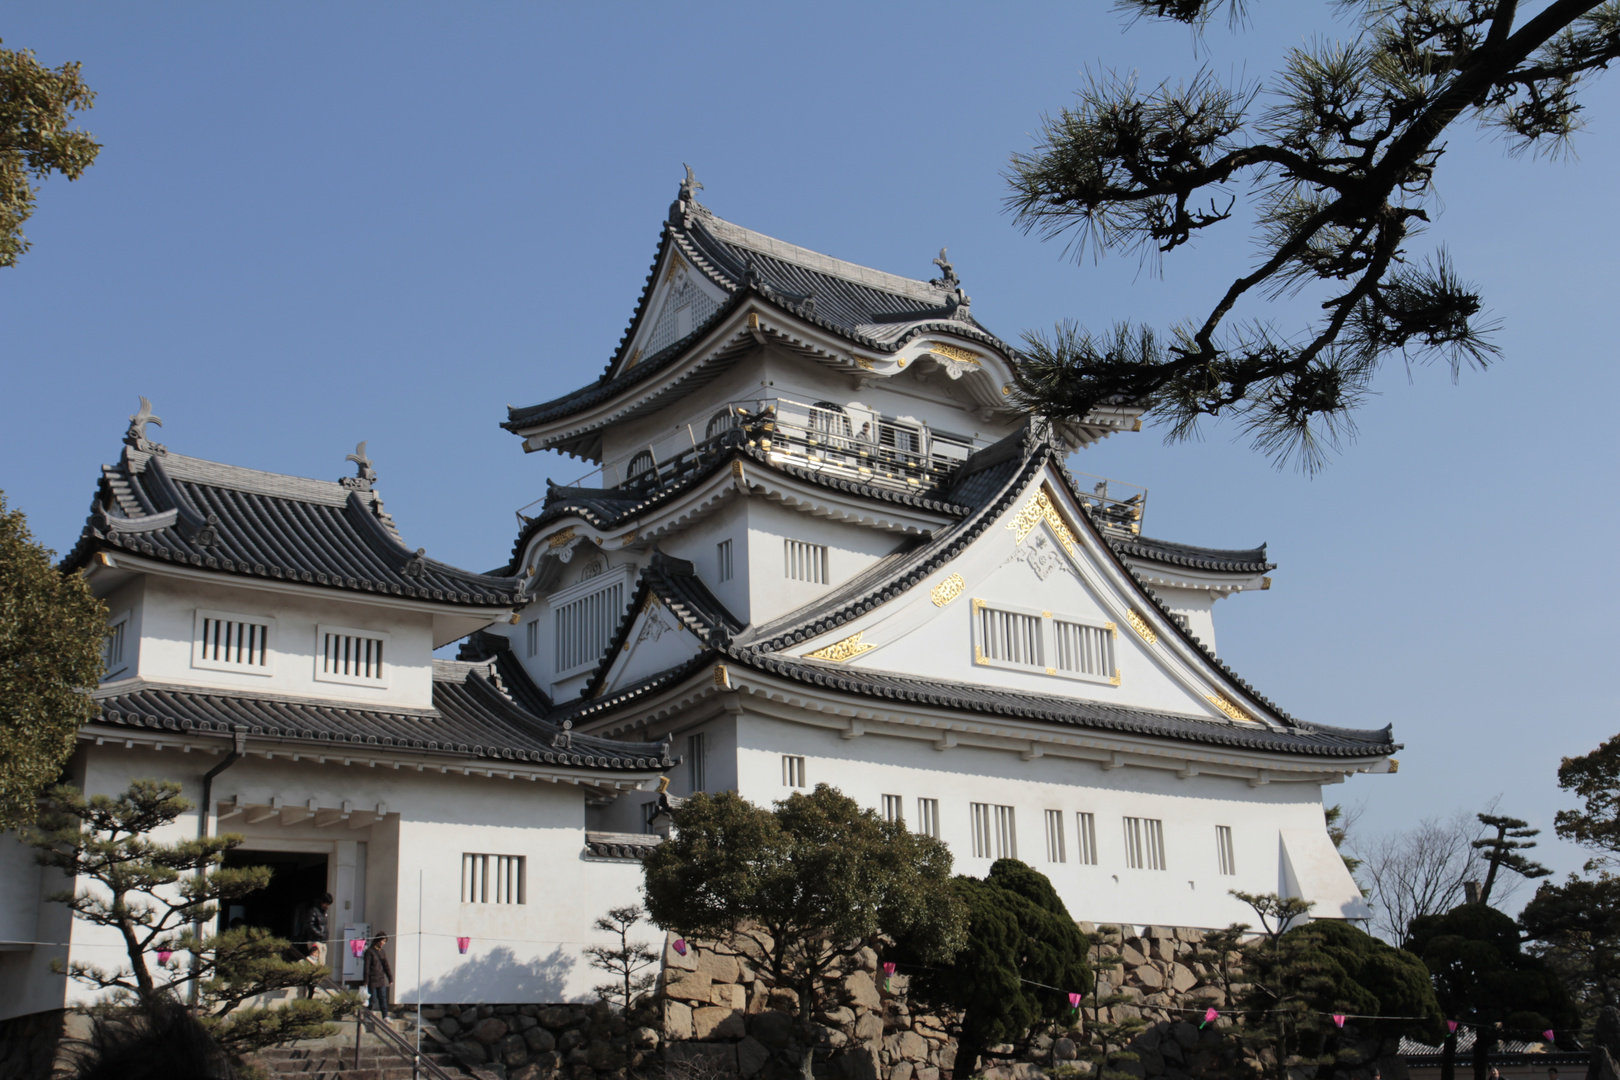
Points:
x=365 y=475
x=136 y=438
x=415 y=565
x=959 y=301
x=681 y=208
x=947 y=278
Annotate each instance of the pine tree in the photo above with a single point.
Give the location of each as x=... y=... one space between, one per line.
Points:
x=1503 y=850
x=626 y=962
x=157 y=896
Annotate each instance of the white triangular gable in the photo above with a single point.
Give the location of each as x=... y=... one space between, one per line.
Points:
x=656 y=642
x=1037 y=604
x=681 y=300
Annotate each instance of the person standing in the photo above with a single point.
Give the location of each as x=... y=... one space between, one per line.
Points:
x=379 y=974
x=312 y=936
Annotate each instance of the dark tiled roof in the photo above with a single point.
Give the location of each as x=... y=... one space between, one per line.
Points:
x=676 y=585
x=472 y=718
x=607 y=508
x=482 y=647
x=1299 y=738
x=879 y=311
x=210 y=516
x=614 y=845
x=1240 y=561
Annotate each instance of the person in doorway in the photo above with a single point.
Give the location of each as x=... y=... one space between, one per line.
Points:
x=379 y=974
x=312 y=935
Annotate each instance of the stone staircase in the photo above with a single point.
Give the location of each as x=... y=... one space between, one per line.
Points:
x=333 y=1058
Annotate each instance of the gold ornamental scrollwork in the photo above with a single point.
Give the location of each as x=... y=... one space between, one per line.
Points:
x=722 y=678
x=839 y=651
x=1042 y=507
x=1140 y=625
x=676 y=265
x=952 y=352
x=558 y=539
x=947 y=590
x=1229 y=709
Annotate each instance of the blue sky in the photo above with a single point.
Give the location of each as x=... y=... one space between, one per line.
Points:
x=314 y=224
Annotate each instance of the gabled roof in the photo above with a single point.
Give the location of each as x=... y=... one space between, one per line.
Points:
x=606 y=508
x=1224 y=560
x=472 y=717
x=235 y=521
x=876 y=310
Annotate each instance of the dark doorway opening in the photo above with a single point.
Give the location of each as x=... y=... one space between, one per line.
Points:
x=297 y=879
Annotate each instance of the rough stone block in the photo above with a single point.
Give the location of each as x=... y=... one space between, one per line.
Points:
x=512 y=1051
x=772 y=1028
x=862 y=990
x=1131 y=954
x=947 y=1057
x=731 y=995
x=867 y=959
x=688 y=986
x=539 y=1040
x=530 y=1071
x=869 y=1028
x=913 y=1047
x=715 y=1022
x=837 y=1017
x=448 y=1026
x=644 y=1038
x=675 y=960
x=901 y=1071
x=602 y=1056
x=857 y=1064
x=1149 y=977
x=468 y=1052
x=1185 y=1034
x=570 y=1040
x=489 y=1031
x=677 y=1020
x=1182 y=979
x=719 y=968
x=926 y=1072
x=752 y=1056
x=1064 y=1049
x=1161 y=933
x=556 y=1017
x=1165 y=948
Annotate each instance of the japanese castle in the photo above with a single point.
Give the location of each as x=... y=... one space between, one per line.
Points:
x=819 y=543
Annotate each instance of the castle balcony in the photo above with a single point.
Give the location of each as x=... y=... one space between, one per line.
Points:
x=848 y=441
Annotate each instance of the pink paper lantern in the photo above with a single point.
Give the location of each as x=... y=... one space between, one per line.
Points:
x=888 y=967
x=164 y=954
x=1074 y=1000
x=357 y=946
x=1548 y=1035
x=462 y=943
x=679 y=946
x=1451 y=1026
x=1338 y=1019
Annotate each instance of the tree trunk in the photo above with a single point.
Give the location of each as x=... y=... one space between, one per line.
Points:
x=1484 y=1043
x=807 y=1031
x=967 y=1058
x=1448 y=1057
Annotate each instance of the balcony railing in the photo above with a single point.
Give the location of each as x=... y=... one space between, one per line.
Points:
x=850 y=441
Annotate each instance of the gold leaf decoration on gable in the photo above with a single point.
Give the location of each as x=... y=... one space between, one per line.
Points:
x=1140 y=625
x=1115 y=680
x=635 y=358
x=737 y=469
x=558 y=539
x=652 y=603
x=839 y=651
x=952 y=352
x=676 y=265
x=863 y=362
x=628 y=538
x=722 y=678
x=1230 y=709
x=947 y=590
x=1042 y=507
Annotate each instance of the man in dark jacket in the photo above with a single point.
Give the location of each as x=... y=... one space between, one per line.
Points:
x=312 y=935
x=379 y=974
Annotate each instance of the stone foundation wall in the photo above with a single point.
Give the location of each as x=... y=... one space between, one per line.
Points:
x=29 y=1044
x=535 y=1042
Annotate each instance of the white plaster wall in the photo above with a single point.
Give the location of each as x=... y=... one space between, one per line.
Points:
x=168 y=626
x=698 y=545
x=127 y=602
x=529 y=952
x=850 y=550
x=1197 y=606
x=1190 y=891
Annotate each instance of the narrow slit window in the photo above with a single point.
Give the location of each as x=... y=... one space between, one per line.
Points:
x=1223 y=850
x=1083 y=649
x=1055 y=850
x=805 y=562
x=894 y=809
x=1144 y=843
x=532 y=630
x=928 y=817
x=228 y=642
x=351 y=656
x=792 y=771
x=1085 y=827
x=492 y=879
x=995 y=833
x=1011 y=637
x=723 y=560
x=695 y=747
x=112 y=648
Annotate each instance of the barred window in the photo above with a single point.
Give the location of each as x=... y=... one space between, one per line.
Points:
x=228 y=642
x=792 y=771
x=1011 y=637
x=928 y=817
x=1055 y=851
x=1223 y=849
x=894 y=809
x=1085 y=827
x=1144 y=843
x=112 y=647
x=695 y=772
x=995 y=834
x=805 y=562
x=1082 y=648
x=492 y=879
x=532 y=630
x=1040 y=641
x=351 y=656
x=584 y=625
x=723 y=559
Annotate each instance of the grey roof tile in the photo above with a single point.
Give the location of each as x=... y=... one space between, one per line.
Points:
x=1239 y=561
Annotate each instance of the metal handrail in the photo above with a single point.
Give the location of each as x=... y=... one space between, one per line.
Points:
x=420 y=1066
